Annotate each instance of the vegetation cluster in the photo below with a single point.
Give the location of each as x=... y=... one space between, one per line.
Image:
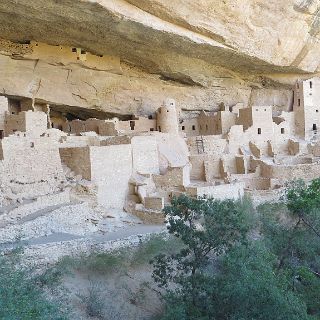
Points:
x=222 y=260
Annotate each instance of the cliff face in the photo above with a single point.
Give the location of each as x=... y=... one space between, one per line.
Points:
x=199 y=52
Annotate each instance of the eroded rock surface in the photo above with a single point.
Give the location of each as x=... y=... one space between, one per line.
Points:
x=199 y=52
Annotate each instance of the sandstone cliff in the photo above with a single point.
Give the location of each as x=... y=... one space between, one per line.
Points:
x=199 y=52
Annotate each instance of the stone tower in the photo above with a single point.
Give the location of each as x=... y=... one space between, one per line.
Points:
x=167 y=117
x=306 y=107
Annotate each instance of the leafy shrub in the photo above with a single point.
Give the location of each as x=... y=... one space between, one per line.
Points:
x=154 y=245
x=21 y=297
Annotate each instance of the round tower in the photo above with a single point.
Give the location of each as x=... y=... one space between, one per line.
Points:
x=167 y=117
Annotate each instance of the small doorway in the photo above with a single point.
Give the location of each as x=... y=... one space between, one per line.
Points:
x=1 y=134
x=314 y=127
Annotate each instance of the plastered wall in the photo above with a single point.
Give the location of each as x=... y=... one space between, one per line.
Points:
x=30 y=166
x=34 y=123
x=78 y=160
x=145 y=155
x=111 y=170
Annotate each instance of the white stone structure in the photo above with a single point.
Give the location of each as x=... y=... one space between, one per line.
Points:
x=167 y=117
x=140 y=164
x=306 y=107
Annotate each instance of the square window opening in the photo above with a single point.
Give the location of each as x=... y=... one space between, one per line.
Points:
x=132 y=125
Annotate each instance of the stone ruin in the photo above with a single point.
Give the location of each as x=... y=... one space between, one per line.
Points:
x=140 y=164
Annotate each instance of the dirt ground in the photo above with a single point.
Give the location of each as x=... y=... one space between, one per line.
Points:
x=122 y=295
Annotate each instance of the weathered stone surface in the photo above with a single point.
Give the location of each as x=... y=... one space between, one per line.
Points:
x=252 y=34
x=199 y=52
x=134 y=91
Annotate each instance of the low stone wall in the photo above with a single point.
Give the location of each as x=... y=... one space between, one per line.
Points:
x=262 y=196
x=224 y=191
x=285 y=173
x=150 y=216
x=252 y=181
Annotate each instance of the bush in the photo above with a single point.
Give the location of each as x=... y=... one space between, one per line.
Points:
x=156 y=244
x=21 y=297
x=118 y=261
x=94 y=300
x=105 y=263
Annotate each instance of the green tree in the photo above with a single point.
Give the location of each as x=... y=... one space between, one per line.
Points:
x=292 y=233
x=302 y=201
x=220 y=274
x=307 y=284
x=295 y=234
x=247 y=287
x=207 y=228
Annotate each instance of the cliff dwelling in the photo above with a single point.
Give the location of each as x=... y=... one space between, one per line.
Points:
x=150 y=156
x=159 y=159
x=148 y=160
